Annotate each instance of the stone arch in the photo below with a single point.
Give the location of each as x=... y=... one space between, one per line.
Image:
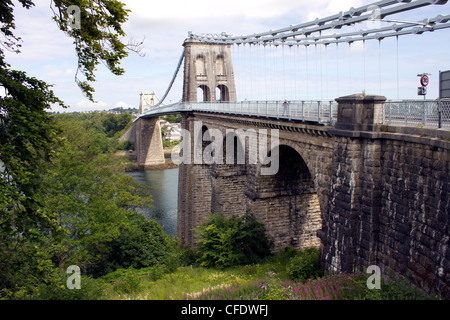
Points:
x=288 y=203
x=205 y=137
x=222 y=93
x=205 y=92
x=317 y=166
x=234 y=152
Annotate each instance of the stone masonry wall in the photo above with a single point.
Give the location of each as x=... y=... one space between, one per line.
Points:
x=291 y=218
x=389 y=202
x=414 y=221
x=375 y=197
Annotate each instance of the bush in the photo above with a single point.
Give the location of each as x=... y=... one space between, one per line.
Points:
x=144 y=246
x=305 y=265
x=391 y=288
x=232 y=241
x=56 y=289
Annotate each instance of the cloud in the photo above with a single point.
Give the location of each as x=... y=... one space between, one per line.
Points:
x=61 y=72
x=49 y=55
x=122 y=104
x=86 y=105
x=180 y=11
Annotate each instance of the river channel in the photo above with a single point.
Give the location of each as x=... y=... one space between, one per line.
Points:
x=164 y=191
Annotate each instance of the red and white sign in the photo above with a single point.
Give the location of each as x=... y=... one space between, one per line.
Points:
x=424 y=80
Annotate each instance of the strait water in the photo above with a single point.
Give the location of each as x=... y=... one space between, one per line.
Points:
x=164 y=190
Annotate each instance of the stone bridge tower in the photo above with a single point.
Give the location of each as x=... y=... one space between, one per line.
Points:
x=208 y=67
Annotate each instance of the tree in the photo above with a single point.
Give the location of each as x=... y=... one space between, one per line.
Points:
x=29 y=136
x=94 y=201
x=225 y=242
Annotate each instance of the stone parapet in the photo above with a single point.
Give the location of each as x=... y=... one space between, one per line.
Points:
x=360 y=112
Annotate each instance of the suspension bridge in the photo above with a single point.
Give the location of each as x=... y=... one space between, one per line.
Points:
x=362 y=177
x=300 y=63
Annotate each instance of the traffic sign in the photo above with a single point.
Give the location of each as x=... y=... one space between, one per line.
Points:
x=421 y=91
x=424 y=80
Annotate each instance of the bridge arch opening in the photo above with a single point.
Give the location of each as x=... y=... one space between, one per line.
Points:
x=288 y=204
x=203 y=92
x=222 y=93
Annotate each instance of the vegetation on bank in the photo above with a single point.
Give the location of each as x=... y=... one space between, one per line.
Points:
x=267 y=280
x=124 y=256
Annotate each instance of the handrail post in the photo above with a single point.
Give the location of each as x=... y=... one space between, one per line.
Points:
x=424 y=113
x=331 y=115
x=318 y=110
x=439 y=114
x=277 y=109
x=389 y=111
x=303 y=110
x=289 y=110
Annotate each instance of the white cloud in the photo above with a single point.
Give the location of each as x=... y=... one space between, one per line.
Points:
x=86 y=105
x=124 y=105
x=49 y=55
x=179 y=11
x=61 y=72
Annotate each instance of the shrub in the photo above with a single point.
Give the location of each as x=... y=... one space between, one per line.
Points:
x=305 y=265
x=56 y=289
x=225 y=242
x=144 y=246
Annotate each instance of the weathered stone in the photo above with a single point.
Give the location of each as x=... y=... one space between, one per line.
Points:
x=362 y=195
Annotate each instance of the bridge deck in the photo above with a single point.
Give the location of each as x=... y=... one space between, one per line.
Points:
x=324 y=112
x=427 y=113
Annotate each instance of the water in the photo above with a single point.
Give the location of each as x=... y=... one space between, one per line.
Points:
x=164 y=191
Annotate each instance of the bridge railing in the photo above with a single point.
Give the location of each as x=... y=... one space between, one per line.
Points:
x=427 y=113
x=315 y=111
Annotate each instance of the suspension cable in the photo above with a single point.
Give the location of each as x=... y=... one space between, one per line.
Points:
x=180 y=61
x=398 y=80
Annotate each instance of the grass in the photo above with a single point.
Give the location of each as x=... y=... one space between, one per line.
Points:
x=267 y=280
x=186 y=281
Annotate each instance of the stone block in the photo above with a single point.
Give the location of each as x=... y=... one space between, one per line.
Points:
x=359 y=112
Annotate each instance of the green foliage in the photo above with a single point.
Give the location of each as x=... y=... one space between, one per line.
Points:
x=28 y=138
x=30 y=220
x=90 y=289
x=172 y=118
x=167 y=144
x=146 y=246
x=391 y=288
x=225 y=242
x=96 y=203
x=103 y=129
x=98 y=40
x=305 y=265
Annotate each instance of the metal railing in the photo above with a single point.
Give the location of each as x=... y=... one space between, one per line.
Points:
x=324 y=112
x=427 y=113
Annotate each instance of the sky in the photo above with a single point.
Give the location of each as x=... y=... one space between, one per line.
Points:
x=320 y=73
